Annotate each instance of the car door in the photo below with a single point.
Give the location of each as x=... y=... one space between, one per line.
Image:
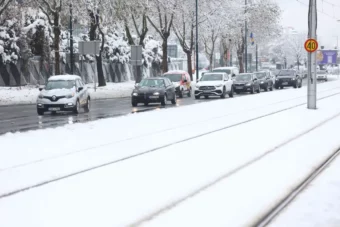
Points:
x=228 y=81
x=170 y=89
x=80 y=93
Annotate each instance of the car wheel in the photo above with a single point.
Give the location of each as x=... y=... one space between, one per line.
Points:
x=40 y=112
x=237 y=92
x=295 y=85
x=259 y=90
x=266 y=88
x=252 y=91
x=87 y=106
x=197 y=97
x=164 y=101
x=134 y=103
x=231 y=94
x=181 y=93
x=77 y=108
x=189 y=92
x=174 y=100
x=271 y=88
x=277 y=87
x=281 y=87
x=223 y=93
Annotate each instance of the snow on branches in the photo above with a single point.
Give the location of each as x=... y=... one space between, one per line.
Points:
x=9 y=50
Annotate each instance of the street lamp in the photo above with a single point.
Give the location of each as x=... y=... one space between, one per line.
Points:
x=71 y=39
x=197 y=41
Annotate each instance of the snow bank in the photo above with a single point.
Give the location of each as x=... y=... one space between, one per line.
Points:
x=29 y=94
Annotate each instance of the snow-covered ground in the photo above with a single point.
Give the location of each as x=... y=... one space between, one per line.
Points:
x=318 y=206
x=124 y=192
x=29 y=94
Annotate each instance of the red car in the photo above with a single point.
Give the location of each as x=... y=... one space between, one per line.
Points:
x=181 y=81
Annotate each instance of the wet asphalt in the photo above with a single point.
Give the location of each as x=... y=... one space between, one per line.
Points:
x=20 y=118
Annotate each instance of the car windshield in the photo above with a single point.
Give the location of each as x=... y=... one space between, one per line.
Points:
x=286 y=73
x=211 y=77
x=60 y=84
x=227 y=71
x=152 y=83
x=243 y=77
x=321 y=72
x=260 y=75
x=174 y=77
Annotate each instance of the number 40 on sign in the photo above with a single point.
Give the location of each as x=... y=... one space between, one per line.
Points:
x=311 y=45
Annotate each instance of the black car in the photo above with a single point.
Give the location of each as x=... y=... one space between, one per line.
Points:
x=288 y=78
x=153 y=90
x=245 y=82
x=266 y=82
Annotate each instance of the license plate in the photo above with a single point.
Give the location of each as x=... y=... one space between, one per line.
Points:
x=54 y=108
x=239 y=87
x=153 y=97
x=285 y=83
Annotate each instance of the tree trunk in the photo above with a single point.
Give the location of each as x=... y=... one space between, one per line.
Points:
x=128 y=35
x=240 y=60
x=211 y=59
x=189 y=61
x=165 y=55
x=101 y=78
x=56 y=44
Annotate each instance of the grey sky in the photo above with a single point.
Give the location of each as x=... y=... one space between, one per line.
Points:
x=295 y=15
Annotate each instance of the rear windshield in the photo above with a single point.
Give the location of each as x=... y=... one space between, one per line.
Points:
x=211 y=77
x=174 y=77
x=286 y=73
x=227 y=71
x=260 y=75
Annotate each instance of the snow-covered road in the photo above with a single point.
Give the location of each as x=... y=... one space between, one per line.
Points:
x=127 y=191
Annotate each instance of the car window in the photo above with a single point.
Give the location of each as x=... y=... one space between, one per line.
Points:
x=78 y=83
x=167 y=82
x=60 y=84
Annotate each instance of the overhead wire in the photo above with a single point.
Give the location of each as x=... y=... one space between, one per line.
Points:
x=333 y=17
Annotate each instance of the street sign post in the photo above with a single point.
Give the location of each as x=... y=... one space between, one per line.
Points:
x=90 y=47
x=136 y=61
x=311 y=45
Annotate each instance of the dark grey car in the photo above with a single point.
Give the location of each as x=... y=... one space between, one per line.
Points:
x=265 y=80
x=288 y=78
x=246 y=82
x=154 y=90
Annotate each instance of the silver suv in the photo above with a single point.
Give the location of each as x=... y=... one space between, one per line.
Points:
x=63 y=93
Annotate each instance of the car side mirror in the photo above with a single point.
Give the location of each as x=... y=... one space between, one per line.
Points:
x=185 y=81
x=80 y=89
x=41 y=88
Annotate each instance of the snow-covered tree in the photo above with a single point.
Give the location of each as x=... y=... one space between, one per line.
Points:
x=4 y=5
x=161 y=18
x=52 y=9
x=9 y=50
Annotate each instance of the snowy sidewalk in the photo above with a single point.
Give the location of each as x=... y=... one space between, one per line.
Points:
x=127 y=191
x=29 y=94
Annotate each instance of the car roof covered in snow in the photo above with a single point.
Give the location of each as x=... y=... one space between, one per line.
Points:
x=154 y=78
x=176 y=71
x=207 y=73
x=64 y=77
x=232 y=67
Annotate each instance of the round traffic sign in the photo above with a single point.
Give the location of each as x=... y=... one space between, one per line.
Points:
x=311 y=45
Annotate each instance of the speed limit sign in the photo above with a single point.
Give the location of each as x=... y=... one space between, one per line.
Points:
x=311 y=45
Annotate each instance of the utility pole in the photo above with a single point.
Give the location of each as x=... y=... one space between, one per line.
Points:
x=312 y=27
x=71 y=39
x=230 y=53
x=197 y=41
x=256 y=58
x=245 y=40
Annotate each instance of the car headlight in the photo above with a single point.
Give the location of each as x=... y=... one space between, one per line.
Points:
x=219 y=85
x=40 y=96
x=262 y=82
x=156 y=93
x=197 y=86
x=70 y=96
x=294 y=79
x=135 y=94
x=248 y=84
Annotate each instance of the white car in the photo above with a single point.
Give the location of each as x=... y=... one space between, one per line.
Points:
x=214 y=84
x=322 y=75
x=63 y=93
x=231 y=71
